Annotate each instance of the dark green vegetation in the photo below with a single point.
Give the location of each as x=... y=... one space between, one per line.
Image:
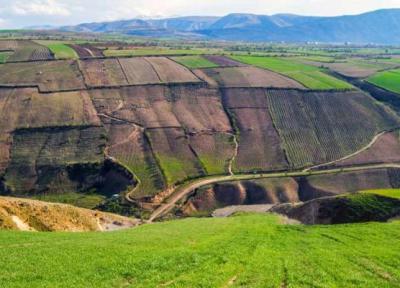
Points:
x=246 y=250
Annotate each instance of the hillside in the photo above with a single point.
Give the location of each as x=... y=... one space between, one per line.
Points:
x=31 y=215
x=241 y=251
x=365 y=28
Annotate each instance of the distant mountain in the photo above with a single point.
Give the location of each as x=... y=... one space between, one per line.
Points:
x=380 y=27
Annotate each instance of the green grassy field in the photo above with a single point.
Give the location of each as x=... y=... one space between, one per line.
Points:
x=60 y=50
x=389 y=80
x=4 y=56
x=195 y=62
x=241 y=251
x=310 y=76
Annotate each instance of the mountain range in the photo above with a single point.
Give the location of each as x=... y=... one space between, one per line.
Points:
x=377 y=27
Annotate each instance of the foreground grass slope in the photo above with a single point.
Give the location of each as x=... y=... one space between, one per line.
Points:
x=242 y=251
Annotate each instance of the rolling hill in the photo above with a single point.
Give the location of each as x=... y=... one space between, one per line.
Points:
x=369 y=27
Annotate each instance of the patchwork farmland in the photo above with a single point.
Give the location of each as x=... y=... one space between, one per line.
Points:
x=156 y=122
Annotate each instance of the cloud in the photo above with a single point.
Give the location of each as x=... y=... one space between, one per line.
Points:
x=40 y=7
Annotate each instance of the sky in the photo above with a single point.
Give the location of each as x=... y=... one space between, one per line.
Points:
x=25 y=13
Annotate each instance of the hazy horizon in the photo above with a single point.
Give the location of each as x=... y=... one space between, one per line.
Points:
x=24 y=13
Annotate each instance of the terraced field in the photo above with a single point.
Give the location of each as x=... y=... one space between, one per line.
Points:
x=173 y=153
x=388 y=80
x=319 y=127
x=103 y=73
x=152 y=52
x=214 y=150
x=38 y=156
x=248 y=77
x=49 y=76
x=194 y=62
x=129 y=146
x=26 y=50
x=311 y=77
x=59 y=49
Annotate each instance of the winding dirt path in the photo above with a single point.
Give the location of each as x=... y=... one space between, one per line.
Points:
x=232 y=160
x=369 y=145
x=186 y=189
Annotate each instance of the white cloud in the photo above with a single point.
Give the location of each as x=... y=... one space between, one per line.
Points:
x=40 y=7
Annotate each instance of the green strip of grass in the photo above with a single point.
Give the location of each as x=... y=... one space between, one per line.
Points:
x=242 y=251
x=310 y=76
x=389 y=80
x=60 y=49
x=195 y=62
x=391 y=193
x=4 y=56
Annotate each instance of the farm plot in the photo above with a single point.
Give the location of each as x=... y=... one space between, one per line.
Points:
x=385 y=150
x=39 y=154
x=223 y=61
x=244 y=98
x=8 y=45
x=249 y=77
x=50 y=76
x=4 y=56
x=214 y=150
x=259 y=144
x=195 y=62
x=86 y=51
x=322 y=127
x=26 y=108
x=389 y=80
x=130 y=147
x=171 y=72
x=193 y=107
x=310 y=76
x=26 y=50
x=352 y=70
x=198 y=109
x=145 y=106
x=103 y=73
x=59 y=49
x=172 y=151
x=139 y=71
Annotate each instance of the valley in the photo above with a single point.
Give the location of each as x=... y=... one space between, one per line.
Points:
x=224 y=157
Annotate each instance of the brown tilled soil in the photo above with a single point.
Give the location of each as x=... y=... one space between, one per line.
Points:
x=31 y=215
x=260 y=147
x=87 y=51
x=250 y=77
x=170 y=71
x=385 y=150
x=50 y=76
x=139 y=71
x=103 y=72
x=244 y=98
x=223 y=61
